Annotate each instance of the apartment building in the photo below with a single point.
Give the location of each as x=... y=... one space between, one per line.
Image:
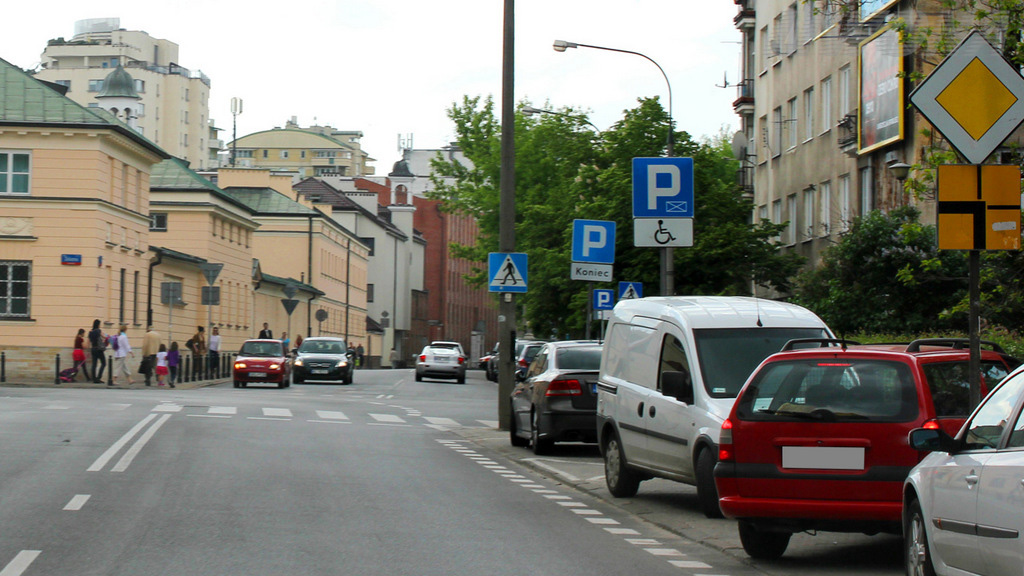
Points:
x=314 y=151
x=173 y=109
x=824 y=110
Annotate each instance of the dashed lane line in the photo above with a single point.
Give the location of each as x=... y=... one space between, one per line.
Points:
x=20 y=563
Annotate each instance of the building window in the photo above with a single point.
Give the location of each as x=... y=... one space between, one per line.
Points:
x=808 y=220
x=791 y=122
x=777 y=214
x=284 y=154
x=64 y=83
x=866 y=191
x=140 y=86
x=792 y=27
x=158 y=222
x=844 y=202
x=140 y=108
x=184 y=117
x=370 y=241
x=762 y=49
x=265 y=153
x=810 y=21
x=243 y=154
x=14 y=172
x=808 y=114
x=776 y=140
x=844 y=90
x=826 y=105
x=791 y=222
x=95 y=85
x=369 y=292
x=15 y=284
x=825 y=208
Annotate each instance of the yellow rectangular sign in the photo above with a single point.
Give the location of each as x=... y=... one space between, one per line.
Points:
x=979 y=207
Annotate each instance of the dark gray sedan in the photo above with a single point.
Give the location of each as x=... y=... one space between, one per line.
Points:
x=323 y=358
x=557 y=399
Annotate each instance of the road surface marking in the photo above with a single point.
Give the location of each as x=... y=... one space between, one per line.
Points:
x=167 y=408
x=537 y=462
x=277 y=412
x=77 y=502
x=223 y=410
x=116 y=447
x=387 y=418
x=664 y=552
x=56 y=407
x=623 y=531
x=571 y=504
x=331 y=415
x=688 y=564
x=132 y=452
x=489 y=423
x=20 y=563
x=643 y=541
x=602 y=521
x=441 y=421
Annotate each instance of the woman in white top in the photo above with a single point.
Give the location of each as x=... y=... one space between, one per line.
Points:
x=121 y=353
x=161 y=366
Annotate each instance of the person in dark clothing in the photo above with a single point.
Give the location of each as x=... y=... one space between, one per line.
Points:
x=266 y=333
x=98 y=343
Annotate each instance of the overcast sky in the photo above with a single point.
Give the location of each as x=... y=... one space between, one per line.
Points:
x=390 y=67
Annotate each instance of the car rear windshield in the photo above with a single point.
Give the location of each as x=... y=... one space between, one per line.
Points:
x=727 y=356
x=831 y=390
x=951 y=389
x=579 y=359
x=322 y=347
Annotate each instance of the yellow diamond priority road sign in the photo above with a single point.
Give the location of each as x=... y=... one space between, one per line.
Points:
x=975 y=98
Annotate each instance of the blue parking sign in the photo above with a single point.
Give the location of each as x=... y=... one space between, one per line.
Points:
x=604 y=299
x=593 y=241
x=663 y=187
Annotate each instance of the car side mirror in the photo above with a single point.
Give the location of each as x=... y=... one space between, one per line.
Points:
x=677 y=385
x=931 y=440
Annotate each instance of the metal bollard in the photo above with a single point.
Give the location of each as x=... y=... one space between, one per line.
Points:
x=3 y=367
x=110 y=370
x=186 y=369
x=56 y=370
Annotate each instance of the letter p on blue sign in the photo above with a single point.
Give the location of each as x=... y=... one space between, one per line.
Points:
x=604 y=299
x=593 y=241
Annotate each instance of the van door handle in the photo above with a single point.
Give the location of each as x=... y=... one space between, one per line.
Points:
x=640 y=410
x=971 y=479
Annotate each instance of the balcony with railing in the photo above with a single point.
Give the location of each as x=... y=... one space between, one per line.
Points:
x=744 y=103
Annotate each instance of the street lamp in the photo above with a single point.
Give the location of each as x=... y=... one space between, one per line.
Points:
x=530 y=111
x=667 y=264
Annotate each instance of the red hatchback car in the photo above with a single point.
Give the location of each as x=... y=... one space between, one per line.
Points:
x=262 y=362
x=817 y=438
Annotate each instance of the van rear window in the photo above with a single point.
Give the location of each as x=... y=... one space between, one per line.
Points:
x=822 y=390
x=727 y=356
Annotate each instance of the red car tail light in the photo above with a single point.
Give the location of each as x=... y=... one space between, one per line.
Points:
x=568 y=387
x=725 y=453
x=423 y=357
x=462 y=360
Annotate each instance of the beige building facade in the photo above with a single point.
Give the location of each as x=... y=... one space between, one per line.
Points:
x=175 y=101
x=315 y=151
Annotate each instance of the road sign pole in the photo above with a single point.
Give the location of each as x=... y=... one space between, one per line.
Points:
x=974 y=319
x=590 y=311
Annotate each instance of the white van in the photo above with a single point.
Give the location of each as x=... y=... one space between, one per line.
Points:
x=670 y=371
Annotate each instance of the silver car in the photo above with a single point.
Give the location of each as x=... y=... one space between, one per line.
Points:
x=441 y=362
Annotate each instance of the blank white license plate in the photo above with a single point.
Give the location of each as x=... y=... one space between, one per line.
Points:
x=258 y=374
x=442 y=360
x=823 y=457
x=319 y=371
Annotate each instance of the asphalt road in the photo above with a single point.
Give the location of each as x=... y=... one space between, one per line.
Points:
x=387 y=476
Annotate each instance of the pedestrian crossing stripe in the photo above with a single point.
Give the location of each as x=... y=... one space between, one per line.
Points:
x=507 y=272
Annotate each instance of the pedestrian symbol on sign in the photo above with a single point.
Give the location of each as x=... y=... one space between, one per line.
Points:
x=510 y=275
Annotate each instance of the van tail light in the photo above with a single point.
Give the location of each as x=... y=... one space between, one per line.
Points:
x=725 y=453
x=931 y=425
x=423 y=357
x=564 y=387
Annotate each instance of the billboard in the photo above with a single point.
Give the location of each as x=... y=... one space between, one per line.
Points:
x=880 y=66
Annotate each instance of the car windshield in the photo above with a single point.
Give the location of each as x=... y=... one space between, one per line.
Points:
x=262 y=349
x=727 y=356
x=951 y=388
x=322 y=347
x=831 y=390
x=578 y=359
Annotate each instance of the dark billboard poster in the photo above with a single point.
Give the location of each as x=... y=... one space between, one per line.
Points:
x=880 y=121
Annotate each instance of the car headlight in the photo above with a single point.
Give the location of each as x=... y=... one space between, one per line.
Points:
x=298 y=362
x=239 y=365
x=342 y=363
x=275 y=366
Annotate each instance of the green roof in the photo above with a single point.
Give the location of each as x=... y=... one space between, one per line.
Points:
x=174 y=174
x=268 y=201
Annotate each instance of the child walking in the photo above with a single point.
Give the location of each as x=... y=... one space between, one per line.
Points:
x=161 y=365
x=173 y=358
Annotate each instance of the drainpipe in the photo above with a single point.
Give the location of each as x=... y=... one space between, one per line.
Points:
x=149 y=298
x=348 y=282
x=309 y=265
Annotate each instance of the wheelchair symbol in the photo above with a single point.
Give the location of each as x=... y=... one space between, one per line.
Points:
x=661 y=235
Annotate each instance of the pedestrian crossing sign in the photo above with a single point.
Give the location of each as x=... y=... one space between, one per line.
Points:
x=630 y=290
x=506 y=271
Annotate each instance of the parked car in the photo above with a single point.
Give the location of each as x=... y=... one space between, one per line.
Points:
x=963 y=510
x=557 y=400
x=525 y=356
x=817 y=439
x=441 y=362
x=323 y=358
x=670 y=370
x=262 y=362
x=492 y=364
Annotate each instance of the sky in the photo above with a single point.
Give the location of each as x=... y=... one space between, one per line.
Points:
x=394 y=67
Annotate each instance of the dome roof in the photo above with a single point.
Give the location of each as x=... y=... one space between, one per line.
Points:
x=118 y=83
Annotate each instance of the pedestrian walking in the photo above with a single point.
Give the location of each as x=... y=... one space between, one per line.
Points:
x=266 y=333
x=298 y=342
x=161 y=365
x=150 y=347
x=215 y=353
x=359 y=355
x=394 y=358
x=198 y=350
x=173 y=359
x=122 y=350
x=98 y=345
x=285 y=340
x=78 y=355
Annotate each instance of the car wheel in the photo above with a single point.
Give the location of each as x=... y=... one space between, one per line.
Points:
x=622 y=482
x=238 y=384
x=513 y=433
x=462 y=379
x=915 y=543
x=762 y=545
x=419 y=378
x=282 y=384
x=297 y=380
x=707 y=494
x=540 y=446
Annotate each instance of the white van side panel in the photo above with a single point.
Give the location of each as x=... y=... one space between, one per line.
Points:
x=630 y=360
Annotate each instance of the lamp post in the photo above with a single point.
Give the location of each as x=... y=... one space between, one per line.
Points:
x=667 y=264
x=530 y=111
x=507 y=214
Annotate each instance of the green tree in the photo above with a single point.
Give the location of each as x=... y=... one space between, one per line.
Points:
x=565 y=170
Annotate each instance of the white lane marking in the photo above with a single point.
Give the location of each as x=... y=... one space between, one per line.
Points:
x=262 y=418
x=119 y=406
x=586 y=512
x=549 y=468
x=489 y=423
x=441 y=421
x=223 y=410
x=331 y=415
x=602 y=521
x=664 y=552
x=554 y=496
x=542 y=490
x=571 y=504
x=132 y=452
x=387 y=418
x=643 y=541
x=519 y=480
x=277 y=412
x=532 y=486
x=688 y=564
x=168 y=408
x=20 y=563
x=622 y=531
x=207 y=416
x=116 y=447
x=77 y=502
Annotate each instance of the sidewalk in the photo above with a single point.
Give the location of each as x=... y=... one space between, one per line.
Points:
x=138 y=382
